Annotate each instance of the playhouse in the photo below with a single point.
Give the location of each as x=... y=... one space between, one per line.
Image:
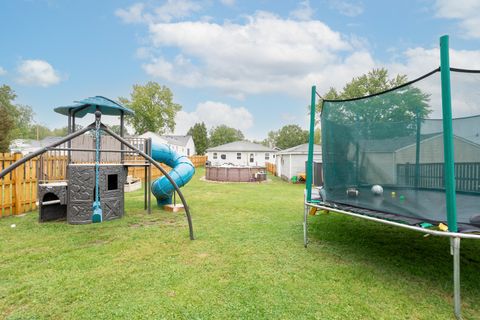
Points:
x=97 y=166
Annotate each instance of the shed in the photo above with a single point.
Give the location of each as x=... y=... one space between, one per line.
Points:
x=381 y=161
x=291 y=162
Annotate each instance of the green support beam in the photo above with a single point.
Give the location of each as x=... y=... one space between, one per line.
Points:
x=310 y=146
x=448 y=136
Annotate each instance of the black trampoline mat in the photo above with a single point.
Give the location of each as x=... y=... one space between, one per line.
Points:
x=419 y=205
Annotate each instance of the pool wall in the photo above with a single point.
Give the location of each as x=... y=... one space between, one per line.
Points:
x=235 y=174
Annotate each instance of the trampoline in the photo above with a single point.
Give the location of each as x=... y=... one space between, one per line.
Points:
x=419 y=143
x=412 y=206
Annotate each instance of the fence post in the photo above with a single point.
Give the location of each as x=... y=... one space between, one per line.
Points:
x=17 y=178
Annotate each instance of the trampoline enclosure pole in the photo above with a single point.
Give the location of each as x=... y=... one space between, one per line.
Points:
x=455 y=250
x=310 y=146
x=448 y=136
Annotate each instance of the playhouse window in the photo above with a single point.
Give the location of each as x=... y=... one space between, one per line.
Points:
x=112 y=182
x=239 y=155
x=223 y=156
x=214 y=155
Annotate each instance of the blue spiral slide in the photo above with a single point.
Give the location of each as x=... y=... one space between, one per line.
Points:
x=182 y=172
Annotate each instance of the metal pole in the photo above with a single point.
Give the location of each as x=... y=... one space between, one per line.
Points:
x=121 y=134
x=310 y=145
x=162 y=170
x=69 y=131
x=417 y=151
x=149 y=183
x=448 y=136
x=305 y=226
x=145 y=188
x=35 y=154
x=455 y=251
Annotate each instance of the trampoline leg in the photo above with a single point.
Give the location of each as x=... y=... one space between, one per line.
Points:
x=305 y=227
x=455 y=251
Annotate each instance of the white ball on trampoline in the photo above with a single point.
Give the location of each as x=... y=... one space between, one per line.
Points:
x=377 y=190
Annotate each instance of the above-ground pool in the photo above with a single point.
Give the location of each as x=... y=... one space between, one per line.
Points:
x=235 y=174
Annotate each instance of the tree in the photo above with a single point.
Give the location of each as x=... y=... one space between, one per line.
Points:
x=271 y=139
x=384 y=115
x=6 y=120
x=317 y=136
x=154 y=108
x=288 y=136
x=116 y=128
x=23 y=121
x=224 y=134
x=200 y=137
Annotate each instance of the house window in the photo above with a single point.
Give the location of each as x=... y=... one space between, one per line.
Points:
x=214 y=155
x=239 y=155
x=188 y=151
x=223 y=156
x=267 y=156
x=252 y=157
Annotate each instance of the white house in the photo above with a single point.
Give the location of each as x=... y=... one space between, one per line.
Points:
x=291 y=162
x=241 y=153
x=184 y=145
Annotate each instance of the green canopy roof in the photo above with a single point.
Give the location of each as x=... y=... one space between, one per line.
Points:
x=90 y=105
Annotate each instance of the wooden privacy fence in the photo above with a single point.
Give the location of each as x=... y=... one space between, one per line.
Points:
x=272 y=168
x=18 y=189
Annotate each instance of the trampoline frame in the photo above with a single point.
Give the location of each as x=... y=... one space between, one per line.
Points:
x=450 y=192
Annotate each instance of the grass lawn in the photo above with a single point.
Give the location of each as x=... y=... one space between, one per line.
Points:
x=248 y=262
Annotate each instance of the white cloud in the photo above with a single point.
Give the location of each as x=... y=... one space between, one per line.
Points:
x=228 y=2
x=466 y=11
x=303 y=12
x=2 y=71
x=133 y=14
x=213 y=114
x=347 y=8
x=170 y=10
x=465 y=92
x=37 y=73
x=265 y=54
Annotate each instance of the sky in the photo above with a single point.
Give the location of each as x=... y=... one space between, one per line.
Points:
x=247 y=64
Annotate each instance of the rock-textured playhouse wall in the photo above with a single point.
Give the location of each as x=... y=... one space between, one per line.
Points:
x=81 y=190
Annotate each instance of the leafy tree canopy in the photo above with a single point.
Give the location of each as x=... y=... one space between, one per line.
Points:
x=384 y=115
x=223 y=134
x=116 y=128
x=154 y=108
x=287 y=137
x=200 y=137
x=7 y=109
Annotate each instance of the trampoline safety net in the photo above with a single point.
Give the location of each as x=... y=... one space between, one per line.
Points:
x=395 y=140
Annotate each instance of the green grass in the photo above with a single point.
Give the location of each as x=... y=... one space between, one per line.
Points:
x=248 y=262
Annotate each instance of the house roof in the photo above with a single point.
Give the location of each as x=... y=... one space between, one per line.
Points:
x=392 y=144
x=177 y=140
x=302 y=149
x=90 y=105
x=155 y=137
x=240 y=146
